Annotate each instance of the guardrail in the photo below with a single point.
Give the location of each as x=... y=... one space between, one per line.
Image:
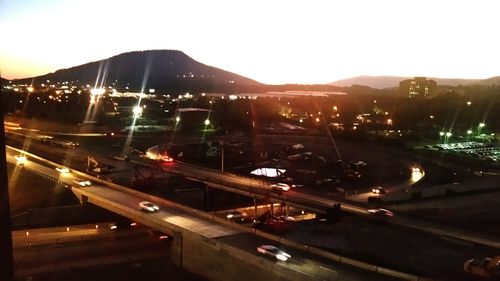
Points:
x=250 y=190
x=243 y=228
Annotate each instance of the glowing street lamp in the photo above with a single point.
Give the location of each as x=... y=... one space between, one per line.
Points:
x=441 y=134
x=207 y=122
x=177 y=119
x=97 y=91
x=469 y=132
x=21 y=160
x=137 y=110
x=479 y=127
x=449 y=134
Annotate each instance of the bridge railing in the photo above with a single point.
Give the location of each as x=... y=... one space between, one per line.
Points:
x=212 y=217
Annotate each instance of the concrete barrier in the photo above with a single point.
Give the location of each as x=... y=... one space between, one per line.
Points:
x=138 y=215
x=397 y=274
x=359 y=264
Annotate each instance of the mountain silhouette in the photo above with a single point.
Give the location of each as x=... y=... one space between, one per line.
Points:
x=169 y=70
x=382 y=82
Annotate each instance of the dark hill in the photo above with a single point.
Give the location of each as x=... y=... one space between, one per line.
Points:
x=490 y=81
x=3 y=81
x=168 y=70
x=381 y=82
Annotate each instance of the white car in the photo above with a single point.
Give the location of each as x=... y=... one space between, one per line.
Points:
x=62 y=170
x=273 y=251
x=148 y=207
x=383 y=212
x=237 y=216
x=280 y=186
x=21 y=159
x=83 y=182
x=379 y=190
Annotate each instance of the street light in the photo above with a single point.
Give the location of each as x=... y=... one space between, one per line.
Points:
x=21 y=160
x=441 y=134
x=137 y=110
x=207 y=122
x=221 y=143
x=447 y=135
x=479 y=127
x=177 y=119
x=469 y=132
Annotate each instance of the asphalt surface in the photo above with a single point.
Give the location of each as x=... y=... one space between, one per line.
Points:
x=456 y=260
x=209 y=229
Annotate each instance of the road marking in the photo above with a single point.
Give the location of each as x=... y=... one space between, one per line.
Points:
x=328 y=269
x=289 y=266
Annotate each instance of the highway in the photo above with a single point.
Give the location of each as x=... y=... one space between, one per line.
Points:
x=171 y=218
x=41 y=251
x=218 y=179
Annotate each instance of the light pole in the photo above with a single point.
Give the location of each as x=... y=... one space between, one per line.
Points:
x=479 y=127
x=441 y=134
x=448 y=135
x=222 y=156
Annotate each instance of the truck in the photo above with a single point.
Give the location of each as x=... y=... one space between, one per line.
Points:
x=487 y=268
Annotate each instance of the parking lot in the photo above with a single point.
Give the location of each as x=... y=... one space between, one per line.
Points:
x=477 y=150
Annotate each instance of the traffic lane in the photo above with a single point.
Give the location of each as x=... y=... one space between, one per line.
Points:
x=370 y=240
x=59 y=235
x=166 y=213
x=67 y=178
x=263 y=188
x=408 y=222
x=304 y=262
x=305 y=198
x=129 y=246
x=440 y=230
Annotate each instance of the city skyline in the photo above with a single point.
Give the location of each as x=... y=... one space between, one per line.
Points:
x=272 y=43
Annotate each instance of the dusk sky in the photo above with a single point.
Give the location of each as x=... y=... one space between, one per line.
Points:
x=269 y=41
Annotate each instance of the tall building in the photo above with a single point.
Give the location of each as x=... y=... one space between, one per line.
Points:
x=419 y=87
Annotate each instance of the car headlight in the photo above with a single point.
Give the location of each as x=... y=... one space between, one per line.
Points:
x=282 y=257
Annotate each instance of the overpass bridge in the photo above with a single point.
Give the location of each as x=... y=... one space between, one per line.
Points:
x=214 y=247
x=261 y=190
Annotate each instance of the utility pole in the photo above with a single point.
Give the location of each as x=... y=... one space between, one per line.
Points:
x=7 y=263
x=222 y=155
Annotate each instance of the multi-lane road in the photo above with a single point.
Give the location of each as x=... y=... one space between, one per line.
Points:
x=303 y=262
x=315 y=202
x=46 y=250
